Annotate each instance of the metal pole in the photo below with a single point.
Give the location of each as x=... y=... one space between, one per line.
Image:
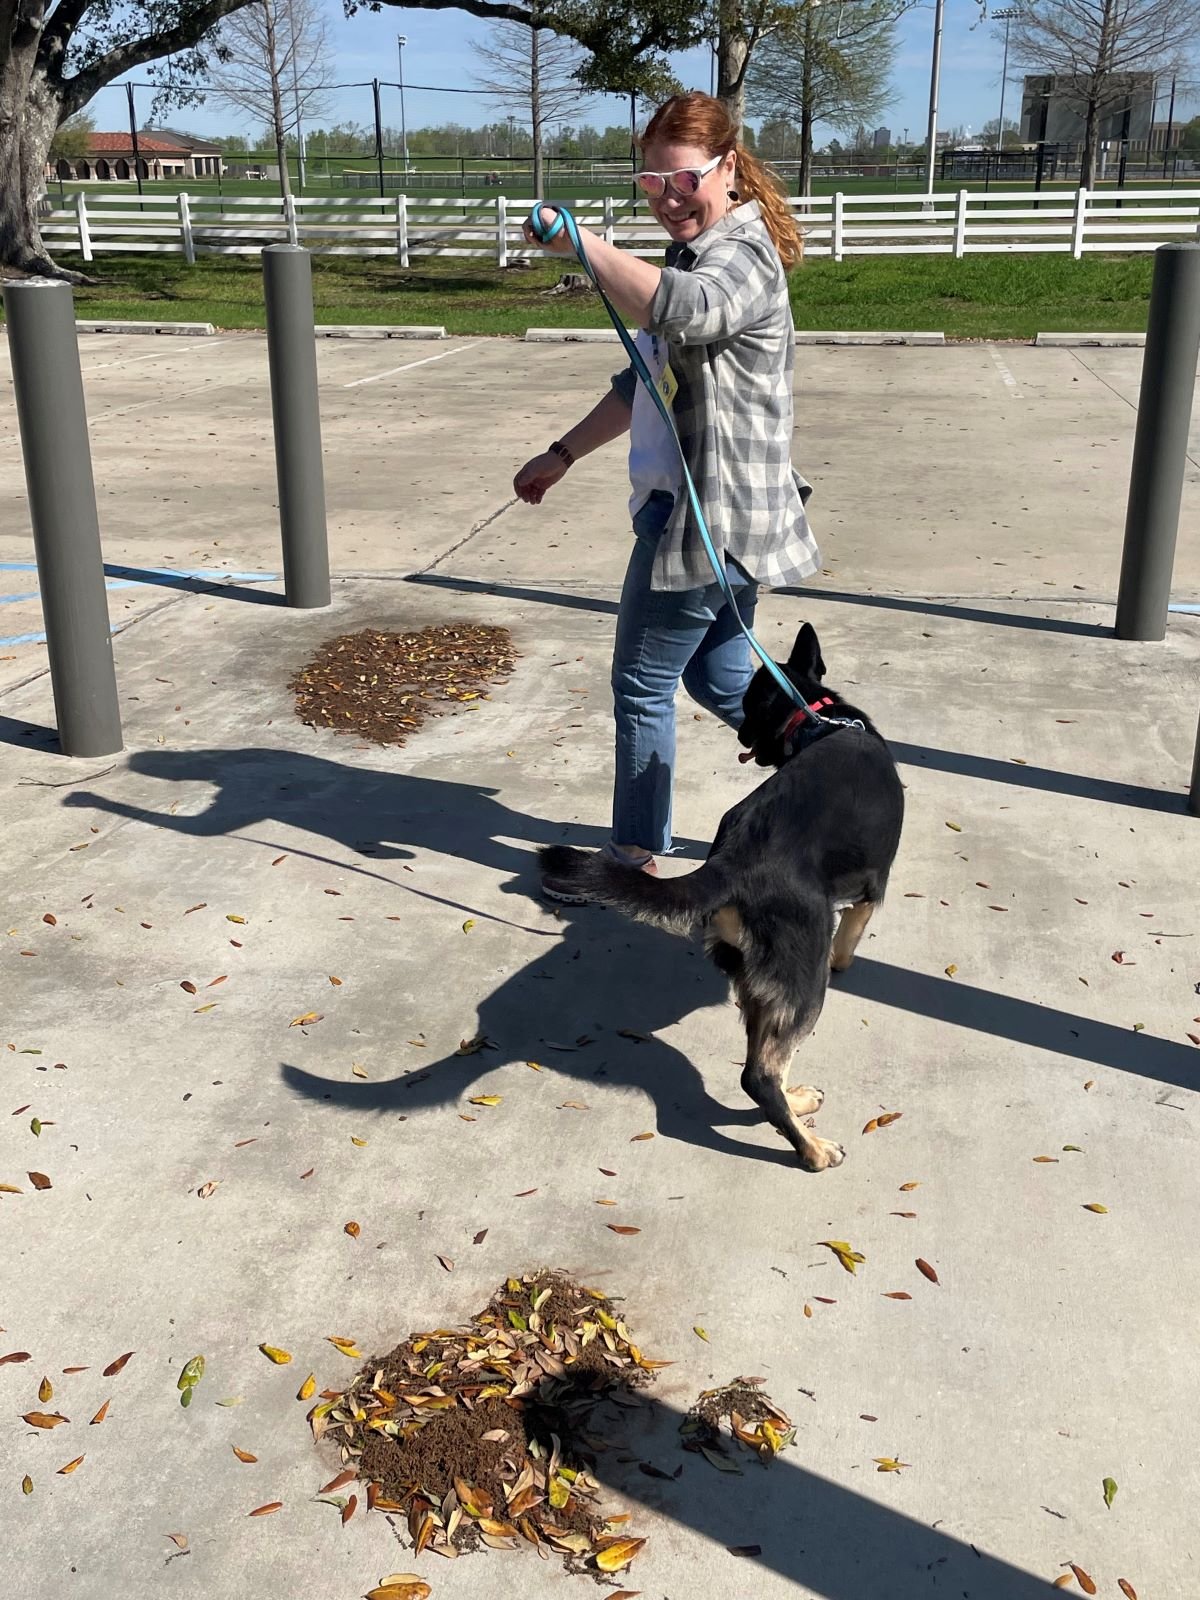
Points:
x=137 y=162
x=295 y=409
x=1007 y=15
x=378 y=133
x=401 y=41
x=1193 y=799
x=935 y=80
x=62 y=508
x=296 y=101
x=1161 y=443
x=1170 y=127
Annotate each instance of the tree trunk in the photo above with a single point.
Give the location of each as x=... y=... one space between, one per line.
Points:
x=535 y=111
x=1087 y=160
x=732 y=54
x=806 y=106
x=285 y=182
x=30 y=113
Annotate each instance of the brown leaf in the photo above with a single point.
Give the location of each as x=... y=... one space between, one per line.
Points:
x=446 y=1263
x=70 y=1466
x=807 y=1309
x=188 y=986
x=50 y=919
x=44 y=1419
x=607 y=1171
x=207 y=1190
x=68 y=1370
x=404 y=1586
x=1122 y=960
x=1123 y=1584
x=265 y=1511
x=118 y=1365
x=617 y=1227
x=909 y=1214
x=349 y=1509
x=522 y=1193
x=1094 y=1205
x=926 y=1270
x=243 y=1455
x=179 y=1540
x=340 y=1482
x=26 y=1484
x=1083 y=1579
x=1046 y=1158
x=639 y=1136
x=15 y=1355
x=39 y=1180
x=224 y=978
x=101 y=1414
x=307 y=1174
x=336 y=982
x=353 y=1229
x=308 y=1017
x=574 y=1105
x=45 y=1391
x=896 y=1294
x=480 y=1236
x=606 y=1202
x=744 y=1549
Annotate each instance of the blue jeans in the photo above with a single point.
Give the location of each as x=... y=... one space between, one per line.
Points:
x=663 y=636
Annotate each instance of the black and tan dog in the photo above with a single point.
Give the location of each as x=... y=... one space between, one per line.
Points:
x=818 y=836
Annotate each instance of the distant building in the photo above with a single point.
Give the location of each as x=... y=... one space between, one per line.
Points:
x=1054 y=112
x=881 y=139
x=160 y=154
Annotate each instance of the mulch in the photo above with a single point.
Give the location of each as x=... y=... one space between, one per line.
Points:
x=481 y=1434
x=382 y=686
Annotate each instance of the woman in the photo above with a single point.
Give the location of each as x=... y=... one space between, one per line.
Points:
x=716 y=331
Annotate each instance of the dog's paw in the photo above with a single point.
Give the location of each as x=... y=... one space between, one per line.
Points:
x=804 y=1099
x=821 y=1155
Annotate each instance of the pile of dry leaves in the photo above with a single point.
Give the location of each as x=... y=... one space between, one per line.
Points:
x=480 y=1434
x=382 y=686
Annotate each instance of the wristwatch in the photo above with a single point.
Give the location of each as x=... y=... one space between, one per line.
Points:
x=559 y=449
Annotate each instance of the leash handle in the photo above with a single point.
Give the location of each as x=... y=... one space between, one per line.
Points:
x=544 y=233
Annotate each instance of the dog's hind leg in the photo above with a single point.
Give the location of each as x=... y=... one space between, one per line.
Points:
x=850 y=930
x=772 y=1037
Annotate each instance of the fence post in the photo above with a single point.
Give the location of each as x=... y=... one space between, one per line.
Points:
x=85 y=233
x=502 y=230
x=185 y=229
x=1081 y=201
x=62 y=508
x=960 y=225
x=839 y=201
x=295 y=411
x=402 y=227
x=1160 y=446
x=289 y=217
x=610 y=230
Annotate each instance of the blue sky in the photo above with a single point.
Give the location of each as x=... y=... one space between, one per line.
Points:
x=437 y=53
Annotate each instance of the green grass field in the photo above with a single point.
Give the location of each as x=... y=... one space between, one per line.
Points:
x=980 y=297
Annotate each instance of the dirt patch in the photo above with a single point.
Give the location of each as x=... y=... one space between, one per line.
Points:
x=382 y=686
x=480 y=1435
x=751 y=1417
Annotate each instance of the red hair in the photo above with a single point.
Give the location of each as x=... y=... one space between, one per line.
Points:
x=699 y=119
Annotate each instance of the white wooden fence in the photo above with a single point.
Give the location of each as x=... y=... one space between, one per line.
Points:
x=1075 y=222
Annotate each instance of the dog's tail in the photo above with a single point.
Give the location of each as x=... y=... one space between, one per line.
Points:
x=676 y=904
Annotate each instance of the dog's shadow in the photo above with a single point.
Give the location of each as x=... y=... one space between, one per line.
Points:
x=603 y=979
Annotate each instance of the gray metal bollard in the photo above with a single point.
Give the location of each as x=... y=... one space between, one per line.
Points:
x=1193 y=800
x=292 y=354
x=62 y=508
x=1161 y=443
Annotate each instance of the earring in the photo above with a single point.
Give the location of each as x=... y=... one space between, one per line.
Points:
x=733 y=195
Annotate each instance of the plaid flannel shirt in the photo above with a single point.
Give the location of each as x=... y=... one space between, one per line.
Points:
x=722 y=305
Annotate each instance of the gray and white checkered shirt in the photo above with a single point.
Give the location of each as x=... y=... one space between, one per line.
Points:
x=722 y=305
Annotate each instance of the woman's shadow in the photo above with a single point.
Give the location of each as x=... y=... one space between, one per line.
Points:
x=610 y=983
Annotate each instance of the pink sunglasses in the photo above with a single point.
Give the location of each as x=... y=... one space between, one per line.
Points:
x=683 y=181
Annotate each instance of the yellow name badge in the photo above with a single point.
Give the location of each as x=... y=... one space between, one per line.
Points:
x=668 y=386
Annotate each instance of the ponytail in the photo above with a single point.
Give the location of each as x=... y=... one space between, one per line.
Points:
x=756 y=181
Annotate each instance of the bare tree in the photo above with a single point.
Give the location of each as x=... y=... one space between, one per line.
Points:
x=534 y=72
x=1092 y=47
x=274 y=63
x=831 y=65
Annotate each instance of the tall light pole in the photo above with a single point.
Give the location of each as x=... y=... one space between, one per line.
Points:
x=1005 y=16
x=401 y=41
x=935 y=81
x=300 y=174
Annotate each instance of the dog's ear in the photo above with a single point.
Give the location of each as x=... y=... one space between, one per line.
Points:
x=806 y=653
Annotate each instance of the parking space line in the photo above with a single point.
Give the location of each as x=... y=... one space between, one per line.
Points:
x=195 y=345
x=408 y=365
x=1002 y=368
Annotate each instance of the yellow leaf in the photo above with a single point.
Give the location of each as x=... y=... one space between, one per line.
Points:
x=346 y=1346
x=273 y=1353
x=1094 y=1205
x=846 y=1253
x=955 y=827
x=889 y=1464
x=309 y=1016
x=45 y=1390
x=618 y=1554
x=468 y=924
x=307 y=1389
x=358 y=1069
x=537 y=1067
x=361 y=1143
x=700 y=1333
x=412 y=1588
x=486 y=1099
x=232 y=916
x=951 y=970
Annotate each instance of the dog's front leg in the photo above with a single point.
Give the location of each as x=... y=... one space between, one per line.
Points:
x=771 y=1042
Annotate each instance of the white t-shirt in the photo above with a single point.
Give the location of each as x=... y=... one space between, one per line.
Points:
x=653 y=454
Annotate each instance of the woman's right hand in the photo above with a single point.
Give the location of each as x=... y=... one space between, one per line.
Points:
x=538 y=475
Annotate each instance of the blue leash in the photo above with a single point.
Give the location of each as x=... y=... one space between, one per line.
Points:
x=545 y=233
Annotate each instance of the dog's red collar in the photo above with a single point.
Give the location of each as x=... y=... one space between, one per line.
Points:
x=797 y=718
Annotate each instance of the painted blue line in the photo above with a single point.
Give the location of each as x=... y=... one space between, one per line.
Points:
x=11 y=599
x=212 y=573
x=24 y=638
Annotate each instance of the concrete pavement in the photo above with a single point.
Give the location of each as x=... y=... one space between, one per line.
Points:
x=1044 y=764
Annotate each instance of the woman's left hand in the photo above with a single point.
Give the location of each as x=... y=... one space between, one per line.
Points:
x=560 y=245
